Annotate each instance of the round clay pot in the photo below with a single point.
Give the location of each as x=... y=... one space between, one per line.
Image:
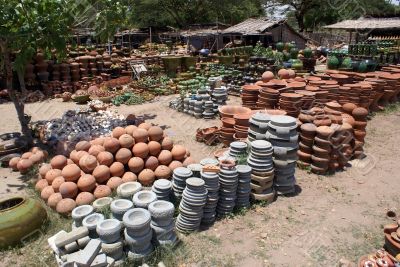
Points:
x=94 y=150
x=155 y=133
x=84 y=198
x=114 y=182
x=46 y=192
x=151 y=163
x=111 y=145
x=105 y=158
x=167 y=144
x=154 y=148
x=136 y=164
x=140 y=135
x=349 y=107
x=53 y=200
x=35 y=158
x=178 y=152
x=165 y=157
x=102 y=191
x=283 y=74
x=188 y=161
x=129 y=177
x=360 y=113
x=267 y=76
x=65 y=206
x=57 y=182
x=74 y=156
x=88 y=163
x=101 y=173
x=123 y=155
x=82 y=145
x=145 y=125
x=126 y=141
x=58 y=162
x=146 y=177
x=24 y=165
x=71 y=173
x=118 y=131
x=52 y=174
x=175 y=164
x=40 y=184
x=117 y=169
x=140 y=150
x=130 y=128
x=98 y=141
x=79 y=155
x=44 y=169
x=26 y=155
x=163 y=172
x=68 y=190
x=87 y=183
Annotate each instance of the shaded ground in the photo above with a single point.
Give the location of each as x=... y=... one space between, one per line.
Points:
x=334 y=217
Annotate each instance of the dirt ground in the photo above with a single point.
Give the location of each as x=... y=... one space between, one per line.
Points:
x=333 y=217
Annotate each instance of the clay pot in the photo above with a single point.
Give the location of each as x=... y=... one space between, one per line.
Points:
x=71 y=173
x=117 y=169
x=94 y=150
x=114 y=182
x=101 y=173
x=349 y=107
x=86 y=183
x=74 y=156
x=88 y=163
x=57 y=182
x=84 y=198
x=111 y=145
x=140 y=135
x=188 y=161
x=102 y=191
x=82 y=145
x=98 y=141
x=167 y=144
x=123 y=155
x=165 y=157
x=146 y=177
x=230 y=111
x=130 y=128
x=24 y=165
x=178 y=152
x=52 y=174
x=68 y=190
x=35 y=149
x=58 y=162
x=40 y=184
x=118 y=131
x=44 y=169
x=129 y=177
x=136 y=164
x=154 y=148
x=65 y=206
x=14 y=161
x=53 y=200
x=79 y=155
x=175 y=164
x=140 y=150
x=35 y=158
x=151 y=163
x=267 y=76
x=283 y=74
x=26 y=155
x=145 y=125
x=360 y=113
x=46 y=192
x=126 y=141
x=105 y=158
x=163 y=172
x=155 y=133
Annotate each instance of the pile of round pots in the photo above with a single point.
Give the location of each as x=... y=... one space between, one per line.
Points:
x=27 y=160
x=94 y=169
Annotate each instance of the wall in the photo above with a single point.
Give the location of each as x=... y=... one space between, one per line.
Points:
x=283 y=33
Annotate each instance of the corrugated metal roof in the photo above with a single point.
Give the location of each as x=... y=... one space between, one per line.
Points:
x=367 y=24
x=252 y=26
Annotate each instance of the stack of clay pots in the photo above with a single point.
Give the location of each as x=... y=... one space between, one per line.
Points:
x=227 y=114
x=75 y=71
x=138 y=233
x=162 y=222
x=219 y=95
x=244 y=187
x=307 y=99
x=237 y=149
x=341 y=140
x=163 y=189
x=360 y=115
x=307 y=135
x=322 y=149
x=332 y=88
x=249 y=95
x=262 y=175
x=228 y=181
x=194 y=198
x=291 y=103
x=179 y=177
x=211 y=180
x=241 y=126
x=377 y=92
x=268 y=98
x=282 y=133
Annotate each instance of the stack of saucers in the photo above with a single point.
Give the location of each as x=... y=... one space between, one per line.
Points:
x=258 y=126
x=186 y=105
x=244 y=187
x=194 y=198
x=262 y=176
x=179 y=180
x=212 y=185
x=198 y=109
x=208 y=110
x=282 y=133
x=191 y=106
x=228 y=181
x=220 y=95
x=237 y=149
x=163 y=189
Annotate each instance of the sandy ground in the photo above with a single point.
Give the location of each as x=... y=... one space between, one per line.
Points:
x=333 y=217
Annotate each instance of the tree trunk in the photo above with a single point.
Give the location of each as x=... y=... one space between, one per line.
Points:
x=21 y=79
x=300 y=20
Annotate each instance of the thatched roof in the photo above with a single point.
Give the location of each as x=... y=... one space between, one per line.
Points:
x=252 y=26
x=367 y=24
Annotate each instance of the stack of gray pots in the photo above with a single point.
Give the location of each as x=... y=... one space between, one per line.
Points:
x=162 y=216
x=244 y=187
x=237 y=149
x=208 y=110
x=186 y=105
x=260 y=160
x=212 y=185
x=198 y=109
x=228 y=182
x=119 y=207
x=163 y=189
x=220 y=95
x=142 y=199
x=138 y=233
x=283 y=135
x=191 y=106
x=91 y=221
x=179 y=177
x=79 y=213
x=258 y=126
x=194 y=198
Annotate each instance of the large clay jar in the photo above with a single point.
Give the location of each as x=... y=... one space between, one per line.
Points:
x=123 y=155
x=82 y=145
x=118 y=131
x=57 y=182
x=136 y=164
x=178 y=152
x=58 y=162
x=65 y=206
x=24 y=165
x=154 y=148
x=84 y=198
x=71 y=173
x=117 y=169
x=130 y=129
x=88 y=163
x=163 y=172
x=105 y=158
x=102 y=191
x=111 y=145
x=102 y=173
x=52 y=174
x=47 y=192
x=188 y=161
x=140 y=135
x=151 y=163
x=68 y=190
x=155 y=133
x=98 y=141
x=167 y=144
x=86 y=183
x=140 y=150
x=126 y=141
x=165 y=157
x=44 y=169
x=146 y=177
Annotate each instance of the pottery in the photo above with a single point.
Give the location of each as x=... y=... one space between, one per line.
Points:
x=65 y=206
x=146 y=177
x=105 y=158
x=102 y=191
x=140 y=150
x=58 y=162
x=140 y=135
x=136 y=164
x=101 y=173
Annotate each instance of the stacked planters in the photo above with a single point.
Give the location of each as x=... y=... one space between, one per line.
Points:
x=291 y=103
x=163 y=189
x=341 y=141
x=238 y=149
x=258 y=126
x=227 y=114
x=268 y=98
x=228 y=181
x=194 y=198
x=322 y=150
x=262 y=170
x=250 y=95
x=162 y=216
x=179 y=177
x=244 y=187
x=307 y=135
x=212 y=185
x=241 y=126
x=282 y=133
x=360 y=124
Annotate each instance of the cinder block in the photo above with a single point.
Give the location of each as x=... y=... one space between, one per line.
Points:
x=82 y=242
x=99 y=261
x=71 y=247
x=87 y=255
x=52 y=244
x=70 y=237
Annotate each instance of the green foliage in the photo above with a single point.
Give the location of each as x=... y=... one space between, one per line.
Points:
x=128 y=99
